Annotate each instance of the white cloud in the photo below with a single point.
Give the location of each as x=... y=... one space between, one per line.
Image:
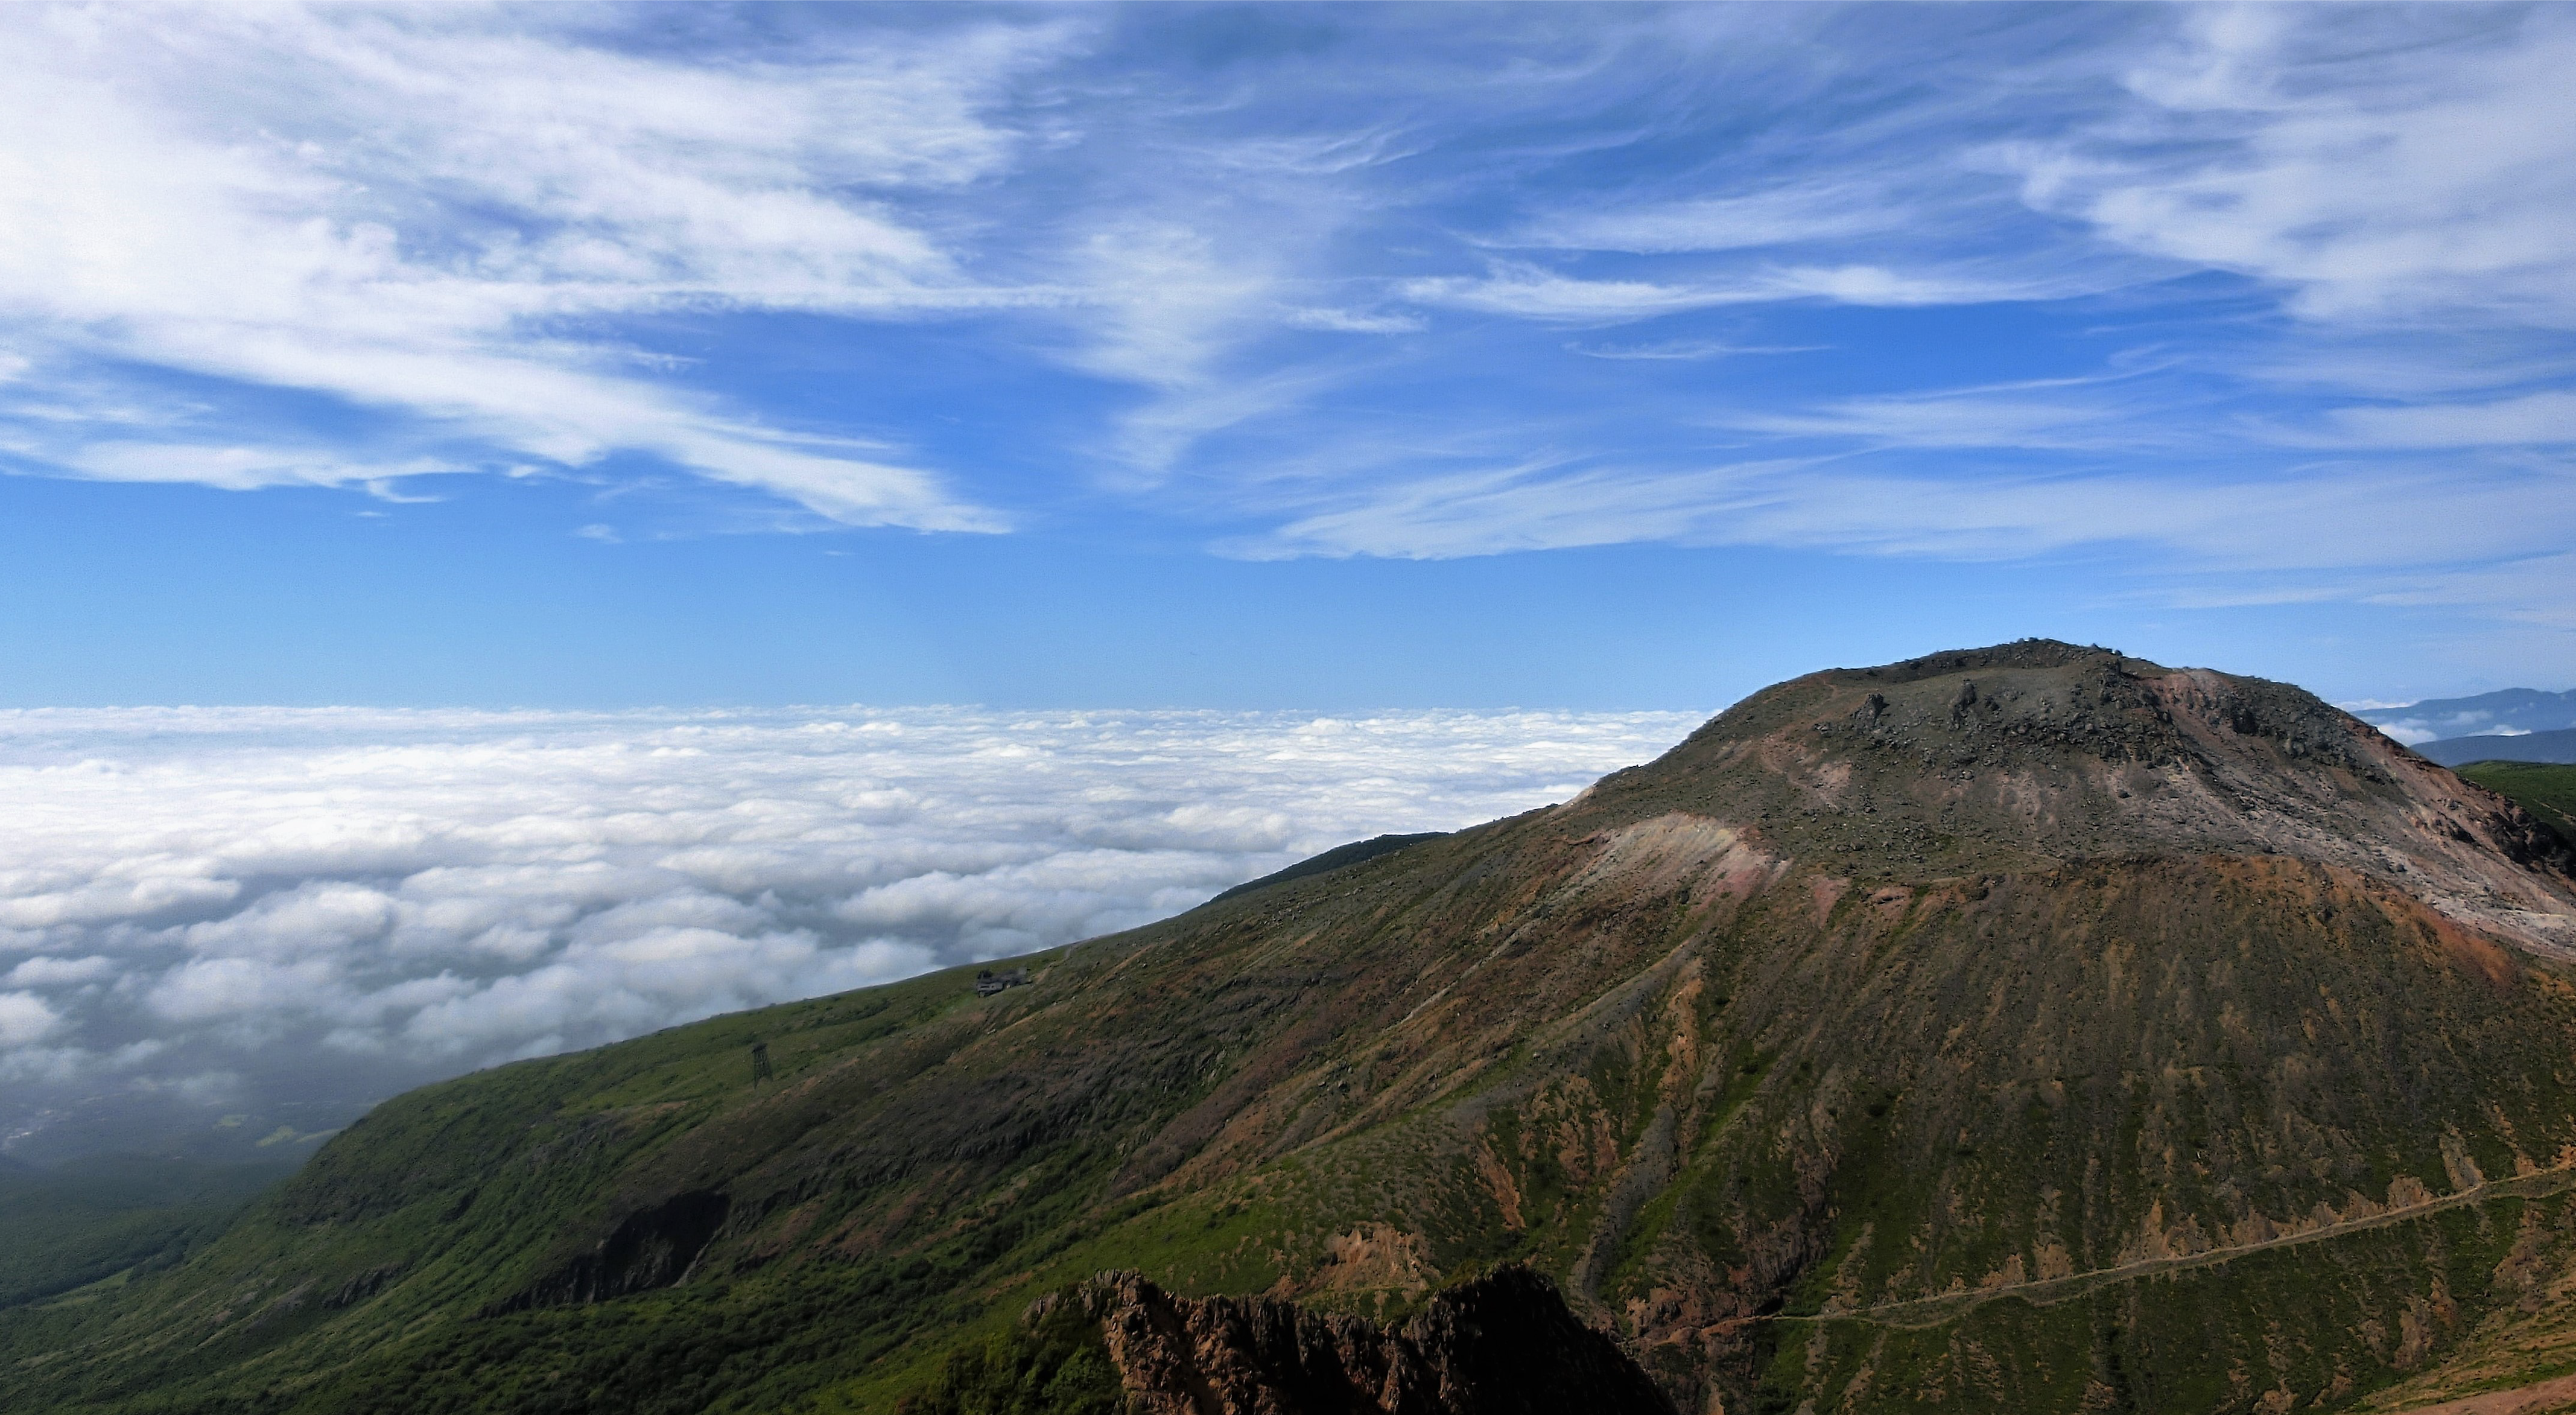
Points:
x=2379 y=164
x=25 y=1019
x=2533 y=419
x=60 y=972
x=1533 y=292
x=1686 y=349
x=239 y=468
x=250 y=993
x=256 y=892
x=1780 y=216
x=1339 y=321
x=1539 y=504
x=2067 y=414
x=2388 y=534
x=411 y=213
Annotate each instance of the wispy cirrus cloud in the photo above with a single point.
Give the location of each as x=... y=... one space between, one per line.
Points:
x=414 y=213
x=1536 y=293
x=2105 y=412
x=2387 y=165
x=1800 y=215
x=239 y=468
x=2544 y=419
x=1249 y=278
x=2260 y=145
x=2355 y=532
x=1688 y=349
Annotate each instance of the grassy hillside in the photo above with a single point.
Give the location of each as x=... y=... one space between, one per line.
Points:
x=110 y=1215
x=1696 y=1116
x=2546 y=790
x=383 y=1276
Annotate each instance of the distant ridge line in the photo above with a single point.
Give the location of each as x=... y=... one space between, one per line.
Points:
x=2556 y=746
x=1336 y=858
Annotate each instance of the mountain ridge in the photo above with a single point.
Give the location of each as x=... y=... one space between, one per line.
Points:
x=2514 y=709
x=2549 y=746
x=1949 y=977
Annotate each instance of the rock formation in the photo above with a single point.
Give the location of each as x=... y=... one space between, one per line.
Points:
x=1502 y=1344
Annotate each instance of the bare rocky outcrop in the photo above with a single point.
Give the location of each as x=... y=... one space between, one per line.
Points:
x=1503 y=1344
x=2039 y=753
x=649 y=1248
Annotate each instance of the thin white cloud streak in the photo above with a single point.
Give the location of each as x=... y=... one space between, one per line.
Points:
x=241 y=468
x=2528 y=590
x=2399 y=523
x=1780 y=216
x=405 y=210
x=1686 y=350
x=2060 y=414
x=245 y=890
x=1536 y=293
x=1341 y=321
x=2532 y=419
x=2376 y=175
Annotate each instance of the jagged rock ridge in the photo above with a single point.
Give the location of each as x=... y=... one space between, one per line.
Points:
x=1501 y=1344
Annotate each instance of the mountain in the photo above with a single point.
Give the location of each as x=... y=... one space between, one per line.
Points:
x=2558 y=746
x=2547 y=791
x=2027 y=1028
x=107 y=1214
x=1500 y=1344
x=2513 y=710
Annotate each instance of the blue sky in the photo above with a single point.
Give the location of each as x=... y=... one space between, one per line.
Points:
x=1258 y=357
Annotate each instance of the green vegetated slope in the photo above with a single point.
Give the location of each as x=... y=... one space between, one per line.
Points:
x=108 y=1215
x=2546 y=790
x=2029 y=1028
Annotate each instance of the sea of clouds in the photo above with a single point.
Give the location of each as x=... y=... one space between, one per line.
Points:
x=240 y=907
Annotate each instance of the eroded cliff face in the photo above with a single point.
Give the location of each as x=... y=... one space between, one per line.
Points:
x=1503 y=1344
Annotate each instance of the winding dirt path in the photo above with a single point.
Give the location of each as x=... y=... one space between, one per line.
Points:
x=2547 y=1396
x=1918 y=1313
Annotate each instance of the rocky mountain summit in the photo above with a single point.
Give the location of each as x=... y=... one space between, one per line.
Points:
x=2029 y=1028
x=2040 y=752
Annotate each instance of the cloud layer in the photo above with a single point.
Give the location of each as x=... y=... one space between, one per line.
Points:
x=232 y=903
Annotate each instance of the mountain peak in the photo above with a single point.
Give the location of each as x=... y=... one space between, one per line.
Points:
x=2017 y=654
x=2038 y=753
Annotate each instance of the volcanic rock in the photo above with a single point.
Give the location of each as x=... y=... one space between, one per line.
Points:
x=1501 y=1344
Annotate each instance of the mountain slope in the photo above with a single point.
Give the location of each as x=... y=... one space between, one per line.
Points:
x=2548 y=791
x=2555 y=746
x=66 y=1228
x=2025 y=1028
